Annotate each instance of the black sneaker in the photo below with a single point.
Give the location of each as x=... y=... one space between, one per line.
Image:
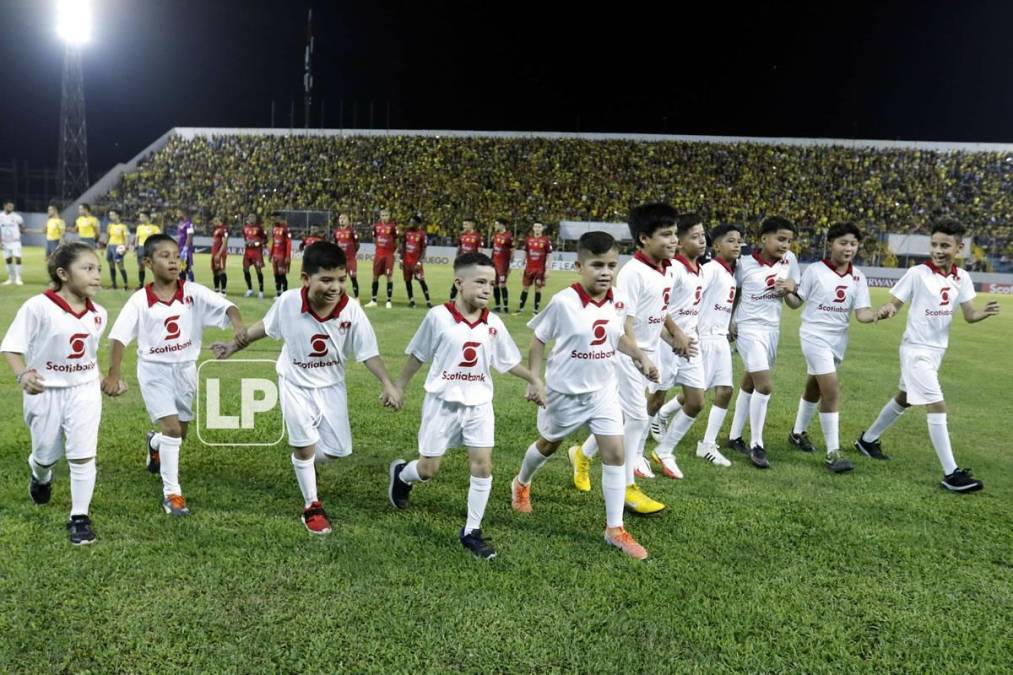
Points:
x=801 y=441
x=398 y=491
x=79 y=529
x=429 y=305
x=473 y=542
x=838 y=463
x=411 y=304
x=738 y=445
x=154 y=463
x=869 y=448
x=758 y=456
x=962 y=481
x=39 y=491
x=498 y=310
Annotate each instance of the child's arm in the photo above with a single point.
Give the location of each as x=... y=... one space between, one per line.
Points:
x=640 y=360
x=242 y=336
x=890 y=308
x=390 y=396
x=224 y=350
x=411 y=366
x=972 y=315
x=113 y=384
x=536 y=388
x=536 y=352
x=29 y=380
x=866 y=315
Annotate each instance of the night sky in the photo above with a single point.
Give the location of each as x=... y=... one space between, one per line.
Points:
x=925 y=71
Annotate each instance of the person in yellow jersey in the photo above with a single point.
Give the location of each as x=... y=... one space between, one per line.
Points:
x=55 y=227
x=117 y=235
x=145 y=228
x=86 y=225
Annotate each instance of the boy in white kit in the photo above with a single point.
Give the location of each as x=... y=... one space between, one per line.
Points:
x=934 y=289
x=588 y=324
x=11 y=226
x=464 y=342
x=321 y=329
x=167 y=317
x=831 y=289
x=52 y=347
x=766 y=278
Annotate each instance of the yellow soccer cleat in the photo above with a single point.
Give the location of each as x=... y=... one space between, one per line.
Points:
x=581 y=469
x=638 y=502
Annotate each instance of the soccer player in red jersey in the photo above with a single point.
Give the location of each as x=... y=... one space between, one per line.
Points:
x=281 y=255
x=255 y=238
x=219 y=253
x=469 y=241
x=537 y=247
x=346 y=238
x=313 y=237
x=384 y=243
x=413 y=251
x=502 y=254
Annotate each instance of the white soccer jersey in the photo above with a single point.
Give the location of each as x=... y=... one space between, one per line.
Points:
x=934 y=296
x=170 y=332
x=316 y=347
x=646 y=288
x=830 y=297
x=462 y=353
x=687 y=294
x=60 y=344
x=10 y=224
x=759 y=306
x=719 y=288
x=587 y=336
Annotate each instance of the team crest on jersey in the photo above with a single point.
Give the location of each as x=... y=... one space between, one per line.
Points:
x=172 y=327
x=189 y=300
x=770 y=280
x=620 y=305
x=944 y=293
x=492 y=331
x=344 y=326
x=98 y=320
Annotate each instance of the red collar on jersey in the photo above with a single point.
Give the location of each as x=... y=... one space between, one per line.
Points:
x=721 y=261
x=953 y=270
x=306 y=309
x=686 y=263
x=586 y=299
x=459 y=318
x=657 y=267
x=62 y=304
x=829 y=263
x=760 y=259
x=154 y=299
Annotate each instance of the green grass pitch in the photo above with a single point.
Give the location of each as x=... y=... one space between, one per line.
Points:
x=791 y=569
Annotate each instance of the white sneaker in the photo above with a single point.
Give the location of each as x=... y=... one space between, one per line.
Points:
x=261 y=295
x=248 y=293
x=7 y=283
x=19 y=282
x=371 y=303
x=710 y=452
x=659 y=425
x=643 y=469
x=388 y=305
x=669 y=467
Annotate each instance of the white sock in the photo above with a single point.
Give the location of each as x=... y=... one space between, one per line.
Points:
x=155 y=441
x=478 y=497
x=634 y=436
x=590 y=447
x=43 y=474
x=830 y=423
x=306 y=474
x=680 y=425
x=533 y=461
x=890 y=413
x=10 y=271
x=757 y=417
x=17 y=270
x=670 y=408
x=806 y=410
x=168 y=456
x=740 y=415
x=614 y=490
x=941 y=441
x=715 y=418
x=410 y=473
x=82 y=486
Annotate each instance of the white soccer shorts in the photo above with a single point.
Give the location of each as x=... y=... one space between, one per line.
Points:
x=167 y=388
x=919 y=374
x=822 y=356
x=64 y=421
x=12 y=249
x=565 y=413
x=448 y=425
x=316 y=417
x=716 y=355
x=632 y=384
x=667 y=368
x=758 y=349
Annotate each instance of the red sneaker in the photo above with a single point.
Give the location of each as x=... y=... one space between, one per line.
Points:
x=520 y=497
x=315 y=519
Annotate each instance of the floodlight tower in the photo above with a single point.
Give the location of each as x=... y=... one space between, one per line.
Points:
x=73 y=25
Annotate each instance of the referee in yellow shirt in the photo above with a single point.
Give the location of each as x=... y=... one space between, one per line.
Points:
x=87 y=225
x=145 y=228
x=55 y=227
x=117 y=235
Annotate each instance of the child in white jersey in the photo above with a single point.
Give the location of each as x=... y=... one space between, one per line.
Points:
x=934 y=289
x=52 y=347
x=464 y=342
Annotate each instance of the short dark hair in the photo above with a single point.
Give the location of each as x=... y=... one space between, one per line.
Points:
x=687 y=222
x=152 y=242
x=143 y=212
x=724 y=229
x=322 y=255
x=63 y=256
x=775 y=223
x=594 y=243
x=472 y=258
x=841 y=229
x=85 y=205
x=950 y=227
x=647 y=218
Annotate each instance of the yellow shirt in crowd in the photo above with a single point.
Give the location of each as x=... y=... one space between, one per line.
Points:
x=145 y=230
x=87 y=226
x=117 y=233
x=54 y=229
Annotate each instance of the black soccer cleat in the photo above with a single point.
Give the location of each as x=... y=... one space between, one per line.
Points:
x=869 y=448
x=40 y=492
x=738 y=445
x=411 y=304
x=153 y=462
x=398 y=491
x=838 y=463
x=429 y=305
x=79 y=530
x=801 y=441
x=473 y=542
x=961 y=480
x=758 y=456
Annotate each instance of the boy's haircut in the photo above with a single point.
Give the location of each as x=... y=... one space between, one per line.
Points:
x=840 y=229
x=63 y=256
x=322 y=255
x=687 y=222
x=152 y=242
x=775 y=223
x=86 y=207
x=594 y=243
x=472 y=258
x=724 y=229
x=647 y=218
x=950 y=227
x=142 y=212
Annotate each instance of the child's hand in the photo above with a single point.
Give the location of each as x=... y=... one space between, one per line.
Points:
x=113 y=386
x=886 y=311
x=536 y=393
x=223 y=350
x=391 y=397
x=992 y=308
x=785 y=286
x=646 y=367
x=31 y=382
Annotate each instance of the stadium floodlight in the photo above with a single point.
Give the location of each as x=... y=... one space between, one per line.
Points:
x=73 y=21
